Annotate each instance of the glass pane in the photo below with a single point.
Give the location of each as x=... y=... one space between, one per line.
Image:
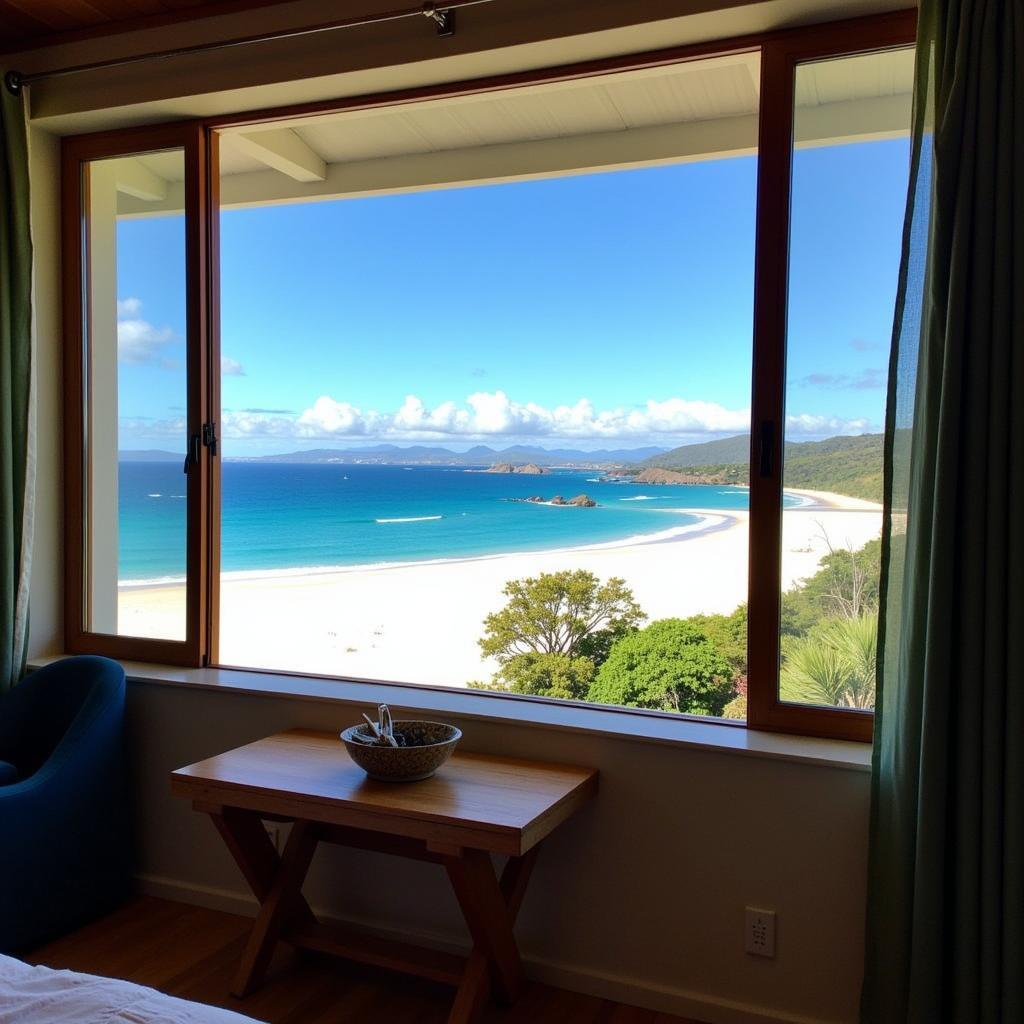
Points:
x=415 y=385
x=135 y=507
x=850 y=174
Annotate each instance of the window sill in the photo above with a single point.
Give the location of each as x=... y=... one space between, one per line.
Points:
x=711 y=736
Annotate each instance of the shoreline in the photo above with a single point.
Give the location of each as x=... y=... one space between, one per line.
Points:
x=420 y=622
x=709 y=521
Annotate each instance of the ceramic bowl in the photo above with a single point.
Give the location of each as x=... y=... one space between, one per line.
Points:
x=403 y=764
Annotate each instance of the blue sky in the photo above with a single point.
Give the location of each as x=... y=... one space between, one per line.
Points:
x=603 y=310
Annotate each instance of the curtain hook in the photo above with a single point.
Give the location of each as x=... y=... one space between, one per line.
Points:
x=445 y=20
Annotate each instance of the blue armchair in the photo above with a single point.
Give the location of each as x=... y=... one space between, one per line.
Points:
x=65 y=838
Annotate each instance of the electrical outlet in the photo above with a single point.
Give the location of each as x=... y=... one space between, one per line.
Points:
x=760 y=932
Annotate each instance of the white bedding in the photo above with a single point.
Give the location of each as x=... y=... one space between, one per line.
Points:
x=39 y=995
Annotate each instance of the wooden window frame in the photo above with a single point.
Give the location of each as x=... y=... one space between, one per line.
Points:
x=76 y=154
x=780 y=53
x=780 y=56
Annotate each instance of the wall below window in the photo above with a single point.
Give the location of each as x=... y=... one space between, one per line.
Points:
x=640 y=897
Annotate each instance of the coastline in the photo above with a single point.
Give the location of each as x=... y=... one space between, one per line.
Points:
x=419 y=622
x=709 y=521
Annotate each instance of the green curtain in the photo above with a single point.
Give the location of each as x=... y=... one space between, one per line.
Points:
x=15 y=386
x=945 y=923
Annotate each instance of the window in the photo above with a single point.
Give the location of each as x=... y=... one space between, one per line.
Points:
x=469 y=391
x=378 y=518
x=846 y=218
x=133 y=286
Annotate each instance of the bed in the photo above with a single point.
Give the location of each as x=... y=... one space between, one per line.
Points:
x=40 y=995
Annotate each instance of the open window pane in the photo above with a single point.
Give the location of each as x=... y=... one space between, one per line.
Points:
x=850 y=173
x=134 y=490
x=441 y=324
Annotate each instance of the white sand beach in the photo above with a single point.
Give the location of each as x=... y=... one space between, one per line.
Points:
x=419 y=622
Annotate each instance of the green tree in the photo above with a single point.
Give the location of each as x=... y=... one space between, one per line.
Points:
x=555 y=630
x=729 y=634
x=833 y=665
x=845 y=586
x=543 y=675
x=670 y=666
x=570 y=613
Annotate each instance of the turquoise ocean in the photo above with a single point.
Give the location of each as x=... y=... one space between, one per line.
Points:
x=281 y=517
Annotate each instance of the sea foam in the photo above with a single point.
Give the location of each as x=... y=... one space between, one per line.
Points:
x=409 y=519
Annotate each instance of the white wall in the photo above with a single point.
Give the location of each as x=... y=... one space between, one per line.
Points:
x=641 y=897
x=46 y=608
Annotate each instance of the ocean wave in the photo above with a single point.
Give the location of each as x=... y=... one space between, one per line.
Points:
x=641 y=497
x=154 y=495
x=408 y=519
x=799 y=500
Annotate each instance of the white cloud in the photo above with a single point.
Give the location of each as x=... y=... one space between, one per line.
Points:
x=137 y=427
x=328 y=418
x=488 y=415
x=822 y=425
x=869 y=379
x=494 y=414
x=231 y=367
x=139 y=343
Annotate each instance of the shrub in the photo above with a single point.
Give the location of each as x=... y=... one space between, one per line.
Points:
x=833 y=665
x=543 y=675
x=669 y=666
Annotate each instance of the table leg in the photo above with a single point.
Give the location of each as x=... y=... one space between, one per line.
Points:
x=247 y=840
x=490 y=910
x=284 y=901
x=275 y=881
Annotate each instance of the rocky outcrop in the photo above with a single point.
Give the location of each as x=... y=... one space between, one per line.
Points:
x=580 y=501
x=531 y=468
x=672 y=476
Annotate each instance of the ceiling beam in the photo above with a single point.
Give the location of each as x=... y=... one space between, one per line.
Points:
x=716 y=139
x=860 y=120
x=283 y=150
x=602 y=151
x=136 y=180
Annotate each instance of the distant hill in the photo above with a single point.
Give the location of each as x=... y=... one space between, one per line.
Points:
x=480 y=455
x=846 y=465
x=709 y=453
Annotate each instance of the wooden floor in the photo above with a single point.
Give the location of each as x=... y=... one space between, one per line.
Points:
x=192 y=952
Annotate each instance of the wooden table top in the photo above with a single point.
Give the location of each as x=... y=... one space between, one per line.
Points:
x=491 y=803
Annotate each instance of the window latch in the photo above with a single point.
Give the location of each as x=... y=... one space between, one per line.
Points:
x=192 y=452
x=210 y=437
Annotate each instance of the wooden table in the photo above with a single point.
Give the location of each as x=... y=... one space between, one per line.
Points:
x=475 y=806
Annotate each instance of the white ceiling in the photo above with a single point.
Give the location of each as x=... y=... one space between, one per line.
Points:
x=710 y=90
x=722 y=87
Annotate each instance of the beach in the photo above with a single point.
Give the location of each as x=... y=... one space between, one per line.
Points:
x=418 y=622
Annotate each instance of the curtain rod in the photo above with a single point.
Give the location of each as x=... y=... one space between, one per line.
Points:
x=442 y=15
